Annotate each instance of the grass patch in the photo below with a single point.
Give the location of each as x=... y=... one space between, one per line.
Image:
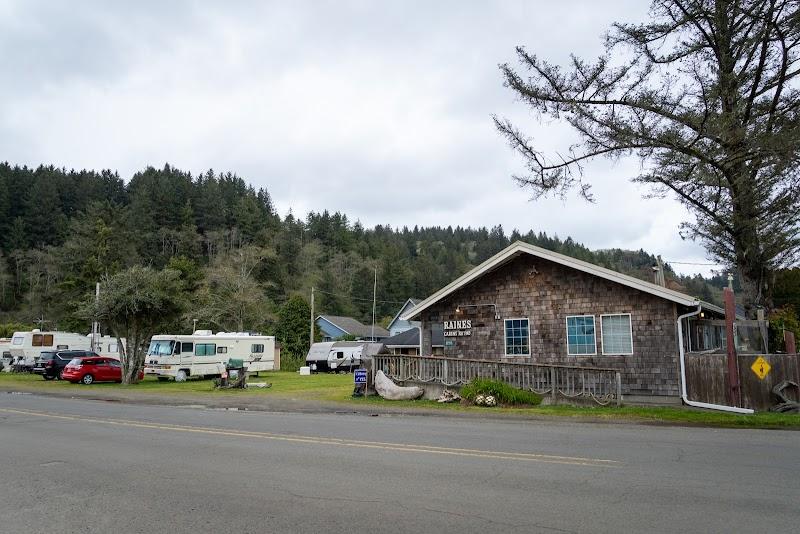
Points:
x=504 y=393
x=286 y=384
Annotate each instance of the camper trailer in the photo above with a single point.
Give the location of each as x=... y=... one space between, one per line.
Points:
x=5 y=354
x=205 y=354
x=340 y=355
x=26 y=347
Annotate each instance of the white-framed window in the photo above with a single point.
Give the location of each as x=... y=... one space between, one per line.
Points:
x=518 y=341
x=616 y=333
x=581 y=338
x=205 y=349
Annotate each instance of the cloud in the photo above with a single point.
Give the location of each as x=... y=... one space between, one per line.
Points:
x=380 y=110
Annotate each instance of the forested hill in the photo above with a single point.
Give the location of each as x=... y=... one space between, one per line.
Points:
x=61 y=231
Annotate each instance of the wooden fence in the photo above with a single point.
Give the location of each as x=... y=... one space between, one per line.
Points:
x=707 y=378
x=602 y=386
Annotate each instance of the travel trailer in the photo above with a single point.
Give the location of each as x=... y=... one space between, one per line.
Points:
x=26 y=347
x=340 y=355
x=205 y=354
x=5 y=354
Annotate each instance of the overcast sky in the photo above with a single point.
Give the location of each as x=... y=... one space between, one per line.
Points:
x=381 y=110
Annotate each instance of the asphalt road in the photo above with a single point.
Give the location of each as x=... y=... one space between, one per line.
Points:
x=89 y=466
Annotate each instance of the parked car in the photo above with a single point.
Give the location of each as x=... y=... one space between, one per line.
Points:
x=50 y=364
x=88 y=370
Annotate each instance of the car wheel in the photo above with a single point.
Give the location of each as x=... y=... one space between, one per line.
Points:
x=61 y=375
x=47 y=377
x=87 y=379
x=180 y=376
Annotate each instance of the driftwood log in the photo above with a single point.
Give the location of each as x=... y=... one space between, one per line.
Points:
x=391 y=391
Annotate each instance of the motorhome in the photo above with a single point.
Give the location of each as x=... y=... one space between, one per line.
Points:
x=26 y=347
x=340 y=355
x=205 y=354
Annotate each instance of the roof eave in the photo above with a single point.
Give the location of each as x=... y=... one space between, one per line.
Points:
x=521 y=247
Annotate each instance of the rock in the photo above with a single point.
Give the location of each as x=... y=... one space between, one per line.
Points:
x=391 y=391
x=449 y=396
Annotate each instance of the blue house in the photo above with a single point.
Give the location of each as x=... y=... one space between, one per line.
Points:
x=398 y=325
x=335 y=327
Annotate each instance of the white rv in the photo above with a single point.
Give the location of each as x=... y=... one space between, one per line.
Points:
x=26 y=347
x=340 y=355
x=204 y=354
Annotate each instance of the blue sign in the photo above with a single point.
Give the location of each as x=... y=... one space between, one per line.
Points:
x=360 y=376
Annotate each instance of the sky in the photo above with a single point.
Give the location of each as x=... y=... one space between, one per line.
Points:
x=380 y=110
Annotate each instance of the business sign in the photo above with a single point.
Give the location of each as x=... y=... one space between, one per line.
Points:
x=458 y=328
x=360 y=376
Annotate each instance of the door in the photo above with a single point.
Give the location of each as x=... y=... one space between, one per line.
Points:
x=114 y=371
x=101 y=370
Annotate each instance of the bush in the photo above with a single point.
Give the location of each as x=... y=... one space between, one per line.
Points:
x=501 y=391
x=291 y=362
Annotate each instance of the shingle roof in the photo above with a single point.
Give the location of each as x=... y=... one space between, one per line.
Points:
x=353 y=327
x=519 y=247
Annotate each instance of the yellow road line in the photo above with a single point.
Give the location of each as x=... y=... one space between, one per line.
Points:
x=319 y=440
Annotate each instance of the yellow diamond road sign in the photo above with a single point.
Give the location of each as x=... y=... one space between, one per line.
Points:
x=760 y=367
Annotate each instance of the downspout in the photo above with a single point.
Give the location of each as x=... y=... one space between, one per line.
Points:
x=684 y=395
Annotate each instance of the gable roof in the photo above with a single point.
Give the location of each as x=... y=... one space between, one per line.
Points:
x=518 y=248
x=413 y=303
x=348 y=325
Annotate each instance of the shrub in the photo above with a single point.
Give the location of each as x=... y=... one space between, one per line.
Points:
x=504 y=393
x=290 y=362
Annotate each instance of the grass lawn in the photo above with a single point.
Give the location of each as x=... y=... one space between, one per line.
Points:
x=338 y=388
x=286 y=384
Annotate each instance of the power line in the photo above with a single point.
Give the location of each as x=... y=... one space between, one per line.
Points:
x=692 y=263
x=357 y=298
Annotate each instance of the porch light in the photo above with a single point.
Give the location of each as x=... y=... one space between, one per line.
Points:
x=496 y=314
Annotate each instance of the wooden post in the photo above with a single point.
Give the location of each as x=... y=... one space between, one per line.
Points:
x=553 y=388
x=734 y=397
x=311 y=332
x=619 y=388
x=788 y=338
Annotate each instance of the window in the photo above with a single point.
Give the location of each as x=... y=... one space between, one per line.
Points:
x=114 y=363
x=517 y=339
x=48 y=340
x=205 y=349
x=37 y=340
x=160 y=348
x=222 y=350
x=257 y=348
x=580 y=335
x=187 y=347
x=616 y=333
x=62 y=347
x=177 y=349
x=112 y=347
x=17 y=340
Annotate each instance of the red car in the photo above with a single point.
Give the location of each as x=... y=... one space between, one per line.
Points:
x=91 y=369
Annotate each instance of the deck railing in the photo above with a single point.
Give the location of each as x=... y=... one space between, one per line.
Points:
x=603 y=386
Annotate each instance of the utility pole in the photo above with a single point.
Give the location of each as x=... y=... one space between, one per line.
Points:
x=374 y=294
x=311 y=334
x=95 y=325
